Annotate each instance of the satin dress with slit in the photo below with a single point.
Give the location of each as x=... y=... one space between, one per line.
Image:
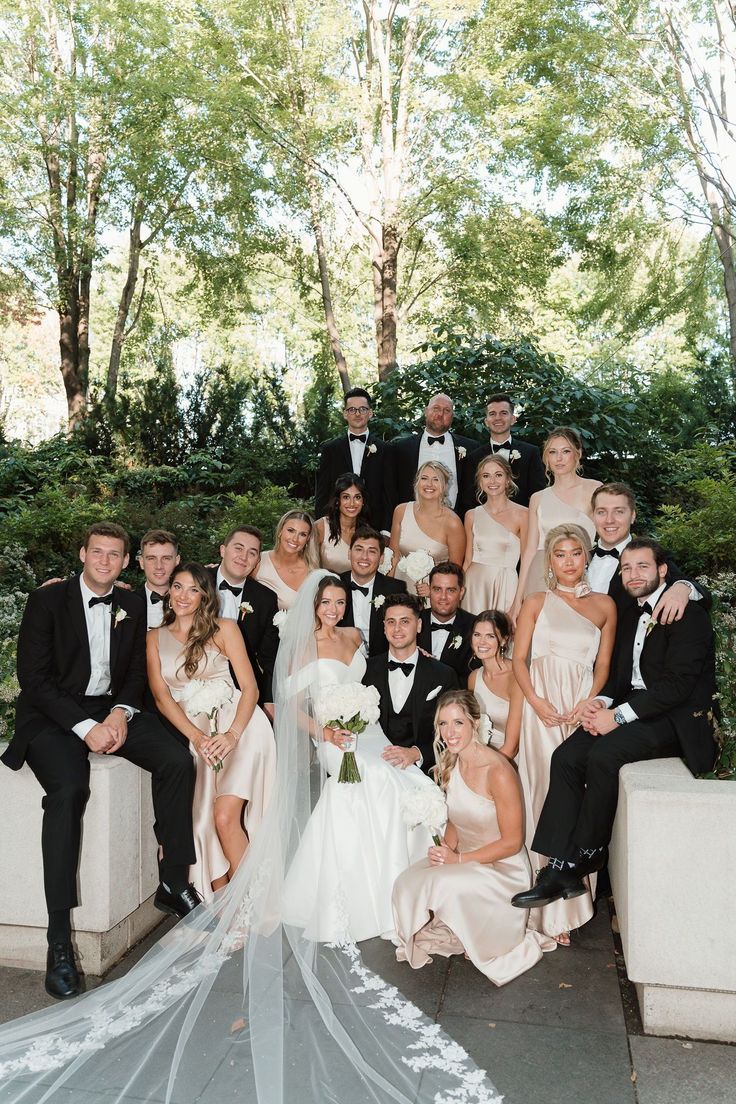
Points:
x=412 y=539
x=495 y=707
x=334 y=557
x=247 y=772
x=466 y=907
x=563 y=651
x=552 y=511
x=491 y=578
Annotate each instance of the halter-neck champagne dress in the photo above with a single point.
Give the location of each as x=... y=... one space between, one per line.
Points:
x=467 y=906
x=552 y=511
x=334 y=557
x=411 y=539
x=247 y=772
x=269 y=576
x=563 y=650
x=495 y=708
x=491 y=578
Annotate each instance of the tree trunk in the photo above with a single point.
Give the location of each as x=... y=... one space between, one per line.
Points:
x=126 y=299
x=387 y=350
x=74 y=383
x=324 y=278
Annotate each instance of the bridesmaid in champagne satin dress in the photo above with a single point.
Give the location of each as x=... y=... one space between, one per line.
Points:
x=458 y=898
x=494 y=683
x=294 y=555
x=346 y=512
x=496 y=534
x=428 y=523
x=562 y=655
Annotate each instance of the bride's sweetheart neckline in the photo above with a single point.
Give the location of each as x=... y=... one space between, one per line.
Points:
x=333 y=659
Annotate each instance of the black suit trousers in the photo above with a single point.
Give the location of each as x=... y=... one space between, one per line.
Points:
x=60 y=762
x=580 y=806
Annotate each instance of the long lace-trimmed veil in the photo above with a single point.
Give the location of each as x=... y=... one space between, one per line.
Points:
x=234 y=1005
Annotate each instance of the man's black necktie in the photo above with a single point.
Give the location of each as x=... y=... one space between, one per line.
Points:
x=394 y=665
x=225 y=585
x=156 y=597
x=598 y=551
x=435 y=626
x=439 y=440
x=358 y=437
x=505 y=445
x=106 y=601
x=363 y=590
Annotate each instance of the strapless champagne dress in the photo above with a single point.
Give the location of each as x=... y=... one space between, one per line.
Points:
x=247 y=772
x=492 y=578
x=467 y=907
x=334 y=557
x=564 y=647
x=411 y=539
x=495 y=707
x=552 y=511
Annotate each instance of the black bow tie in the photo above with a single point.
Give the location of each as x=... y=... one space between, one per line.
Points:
x=440 y=440
x=505 y=445
x=237 y=591
x=394 y=665
x=435 y=626
x=106 y=601
x=358 y=437
x=156 y=597
x=363 y=590
x=598 y=551
x=644 y=608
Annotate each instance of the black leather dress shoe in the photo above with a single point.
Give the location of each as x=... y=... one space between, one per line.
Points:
x=591 y=865
x=62 y=980
x=176 y=904
x=550 y=886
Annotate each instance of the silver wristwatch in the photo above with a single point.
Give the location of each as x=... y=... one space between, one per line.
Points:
x=129 y=713
x=619 y=717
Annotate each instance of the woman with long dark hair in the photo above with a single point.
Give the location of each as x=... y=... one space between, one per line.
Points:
x=346 y=511
x=190 y=658
x=494 y=683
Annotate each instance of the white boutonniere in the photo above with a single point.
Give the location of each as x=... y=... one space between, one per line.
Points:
x=378 y=601
x=245 y=607
x=515 y=455
x=461 y=452
x=650 y=627
x=456 y=641
x=118 y=615
x=371 y=449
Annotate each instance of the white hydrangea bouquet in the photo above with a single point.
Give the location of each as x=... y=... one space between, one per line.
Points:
x=350 y=706
x=417 y=565
x=426 y=807
x=207 y=696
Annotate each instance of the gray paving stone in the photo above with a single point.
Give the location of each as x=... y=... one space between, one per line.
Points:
x=673 y=1071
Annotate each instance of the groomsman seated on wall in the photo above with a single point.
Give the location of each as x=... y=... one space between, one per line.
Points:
x=81 y=668
x=158 y=556
x=446 y=629
x=614 y=512
x=368 y=589
x=436 y=442
x=659 y=701
x=251 y=604
x=357 y=451
x=527 y=468
x=409 y=684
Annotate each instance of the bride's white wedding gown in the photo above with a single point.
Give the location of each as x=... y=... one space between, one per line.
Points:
x=355 y=844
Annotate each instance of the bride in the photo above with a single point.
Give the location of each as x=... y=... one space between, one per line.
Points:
x=355 y=844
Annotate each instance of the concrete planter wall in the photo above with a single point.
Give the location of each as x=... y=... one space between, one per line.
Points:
x=673 y=872
x=117 y=873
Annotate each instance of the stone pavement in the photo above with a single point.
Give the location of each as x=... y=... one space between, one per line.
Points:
x=566 y=1032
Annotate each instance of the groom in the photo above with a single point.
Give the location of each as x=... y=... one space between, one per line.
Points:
x=409 y=683
x=81 y=668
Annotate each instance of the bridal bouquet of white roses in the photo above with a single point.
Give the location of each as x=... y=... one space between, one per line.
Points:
x=352 y=707
x=417 y=565
x=207 y=696
x=426 y=807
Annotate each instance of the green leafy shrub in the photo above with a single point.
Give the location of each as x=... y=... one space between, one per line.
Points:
x=698 y=523
x=723 y=588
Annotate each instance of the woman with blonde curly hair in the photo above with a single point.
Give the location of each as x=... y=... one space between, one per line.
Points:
x=428 y=524
x=458 y=898
x=293 y=557
x=194 y=650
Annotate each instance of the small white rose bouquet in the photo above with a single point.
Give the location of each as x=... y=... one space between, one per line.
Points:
x=279 y=620
x=426 y=807
x=207 y=696
x=417 y=565
x=350 y=706
x=385 y=565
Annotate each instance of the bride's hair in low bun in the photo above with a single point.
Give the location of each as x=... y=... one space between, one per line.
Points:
x=322 y=585
x=445 y=760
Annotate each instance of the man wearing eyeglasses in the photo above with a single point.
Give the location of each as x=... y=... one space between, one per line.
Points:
x=357 y=451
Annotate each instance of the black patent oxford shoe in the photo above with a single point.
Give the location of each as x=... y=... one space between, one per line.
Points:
x=63 y=979
x=550 y=886
x=177 y=904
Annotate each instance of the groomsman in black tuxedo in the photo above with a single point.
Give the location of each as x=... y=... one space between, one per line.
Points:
x=158 y=556
x=446 y=628
x=357 y=451
x=368 y=589
x=659 y=701
x=82 y=669
x=251 y=604
x=409 y=684
x=614 y=512
x=435 y=442
x=527 y=468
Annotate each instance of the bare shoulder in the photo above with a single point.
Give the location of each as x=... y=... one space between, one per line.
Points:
x=503 y=780
x=452 y=521
x=400 y=511
x=472 y=678
x=535 y=601
x=351 y=635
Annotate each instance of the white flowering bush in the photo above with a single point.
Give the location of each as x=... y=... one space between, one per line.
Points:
x=12 y=604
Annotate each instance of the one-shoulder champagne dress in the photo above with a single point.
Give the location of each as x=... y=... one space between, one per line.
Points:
x=495 y=707
x=411 y=539
x=491 y=578
x=552 y=511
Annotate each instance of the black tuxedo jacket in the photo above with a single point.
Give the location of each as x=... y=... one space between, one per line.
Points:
x=678 y=667
x=382 y=584
x=528 y=473
x=54 y=660
x=429 y=675
x=335 y=460
x=624 y=601
x=403 y=461
x=260 y=635
x=457 y=658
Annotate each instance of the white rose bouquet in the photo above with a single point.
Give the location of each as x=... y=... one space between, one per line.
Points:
x=279 y=620
x=350 y=706
x=417 y=565
x=207 y=696
x=425 y=806
x=385 y=565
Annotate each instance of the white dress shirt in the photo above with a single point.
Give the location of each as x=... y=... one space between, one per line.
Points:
x=399 y=684
x=637 y=682
x=445 y=453
x=229 y=602
x=504 y=451
x=439 y=637
x=362 y=608
x=154 y=610
x=99 y=627
x=601 y=569
x=357 y=450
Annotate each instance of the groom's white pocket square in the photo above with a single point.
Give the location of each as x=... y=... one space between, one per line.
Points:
x=433 y=693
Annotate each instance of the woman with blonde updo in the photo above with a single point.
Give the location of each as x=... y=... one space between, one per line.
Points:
x=458 y=898
x=496 y=536
x=293 y=557
x=427 y=523
x=567 y=502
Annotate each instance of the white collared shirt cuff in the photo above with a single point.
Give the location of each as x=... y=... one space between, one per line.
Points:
x=627 y=712
x=695 y=595
x=420 y=760
x=608 y=702
x=130 y=708
x=83 y=728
